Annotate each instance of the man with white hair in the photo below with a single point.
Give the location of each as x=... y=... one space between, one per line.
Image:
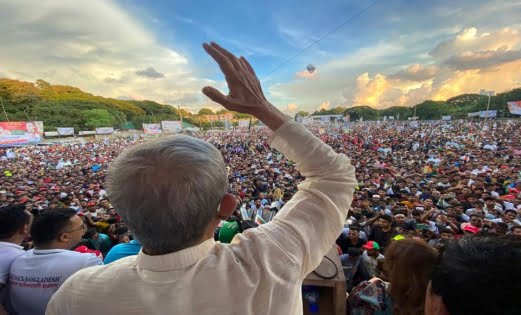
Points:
x=172 y=192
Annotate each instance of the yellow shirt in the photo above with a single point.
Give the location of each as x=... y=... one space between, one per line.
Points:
x=260 y=272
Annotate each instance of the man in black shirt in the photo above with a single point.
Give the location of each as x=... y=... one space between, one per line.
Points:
x=351 y=240
x=382 y=231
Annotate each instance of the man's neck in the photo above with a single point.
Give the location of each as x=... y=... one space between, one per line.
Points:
x=17 y=240
x=53 y=245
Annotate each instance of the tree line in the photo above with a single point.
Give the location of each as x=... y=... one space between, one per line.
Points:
x=66 y=106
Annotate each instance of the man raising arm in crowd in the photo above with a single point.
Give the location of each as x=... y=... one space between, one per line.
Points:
x=172 y=192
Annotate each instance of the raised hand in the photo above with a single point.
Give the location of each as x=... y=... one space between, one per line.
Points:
x=246 y=95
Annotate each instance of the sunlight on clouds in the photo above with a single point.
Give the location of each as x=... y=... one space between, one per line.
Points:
x=95 y=46
x=292 y=107
x=325 y=105
x=491 y=64
x=304 y=74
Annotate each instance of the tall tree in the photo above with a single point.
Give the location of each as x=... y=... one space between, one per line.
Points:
x=95 y=118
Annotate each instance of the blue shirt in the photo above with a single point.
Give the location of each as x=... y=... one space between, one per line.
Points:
x=122 y=250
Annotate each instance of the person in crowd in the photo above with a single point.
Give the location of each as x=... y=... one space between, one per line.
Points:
x=516 y=230
x=370 y=257
x=408 y=265
x=15 y=222
x=354 y=268
x=158 y=190
x=382 y=231
x=469 y=267
x=38 y=273
x=122 y=250
x=352 y=240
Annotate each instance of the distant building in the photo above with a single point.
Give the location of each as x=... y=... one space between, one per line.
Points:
x=219 y=117
x=327 y=118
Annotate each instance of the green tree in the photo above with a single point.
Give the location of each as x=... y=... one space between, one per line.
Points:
x=206 y=111
x=302 y=113
x=94 y=118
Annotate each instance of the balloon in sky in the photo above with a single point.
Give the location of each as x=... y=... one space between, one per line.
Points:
x=311 y=68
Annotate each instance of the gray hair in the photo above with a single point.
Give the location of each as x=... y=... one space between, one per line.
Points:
x=168 y=190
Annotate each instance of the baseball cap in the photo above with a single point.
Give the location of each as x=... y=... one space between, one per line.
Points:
x=371 y=245
x=471 y=229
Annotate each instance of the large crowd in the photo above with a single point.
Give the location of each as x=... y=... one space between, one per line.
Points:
x=431 y=183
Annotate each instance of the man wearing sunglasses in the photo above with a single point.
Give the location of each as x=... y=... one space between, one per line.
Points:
x=38 y=273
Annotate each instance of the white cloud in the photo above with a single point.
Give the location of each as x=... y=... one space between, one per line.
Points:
x=325 y=105
x=95 y=46
x=416 y=72
x=483 y=59
x=471 y=39
x=466 y=62
x=305 y=74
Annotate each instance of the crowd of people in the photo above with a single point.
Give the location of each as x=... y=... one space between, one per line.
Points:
x=432 y=183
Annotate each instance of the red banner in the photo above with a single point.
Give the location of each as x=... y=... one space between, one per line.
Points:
x=20 y=133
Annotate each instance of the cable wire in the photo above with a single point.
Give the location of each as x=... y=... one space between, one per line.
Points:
x=320 y=39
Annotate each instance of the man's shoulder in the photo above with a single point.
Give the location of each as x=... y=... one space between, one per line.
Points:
x=104 y=271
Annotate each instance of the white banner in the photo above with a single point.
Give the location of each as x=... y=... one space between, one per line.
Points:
x=488 y=114
x=152 y=129
x=446 y=117
x=104 y=130
x=172 y=125
x=245 y=123
x=86 y=133
x=66 y=131
x=391 y=117
x=514 y=107
x=51 y=134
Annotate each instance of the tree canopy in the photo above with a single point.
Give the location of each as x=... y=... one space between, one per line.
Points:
x=206 y=111
x=67 y=106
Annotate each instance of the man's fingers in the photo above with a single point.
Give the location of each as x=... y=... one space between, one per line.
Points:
x=215 y=95
x=231 y=57
x=223 y=62
x=248 y=66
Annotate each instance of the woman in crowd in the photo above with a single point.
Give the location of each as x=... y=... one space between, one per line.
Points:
x=407 y=268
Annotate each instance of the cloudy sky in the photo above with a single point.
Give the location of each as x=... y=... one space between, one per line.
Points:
x=394 y=53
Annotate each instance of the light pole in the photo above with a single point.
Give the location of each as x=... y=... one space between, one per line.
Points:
x=489 y=94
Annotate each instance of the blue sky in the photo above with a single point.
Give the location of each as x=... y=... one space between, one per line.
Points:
x=395 y=53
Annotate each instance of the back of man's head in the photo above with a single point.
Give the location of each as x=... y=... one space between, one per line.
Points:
x=482 y=267
x=168 y=190
x=49 y=224
x=13 y=219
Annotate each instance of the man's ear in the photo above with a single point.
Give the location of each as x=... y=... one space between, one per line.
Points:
x=227 y=206
x=434 y=304
x=63 y=237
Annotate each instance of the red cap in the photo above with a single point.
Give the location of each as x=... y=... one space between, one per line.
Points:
x=85 y=250
x=371 y=245
x=471 y=229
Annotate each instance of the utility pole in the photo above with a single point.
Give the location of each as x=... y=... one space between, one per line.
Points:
x=5 y=113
